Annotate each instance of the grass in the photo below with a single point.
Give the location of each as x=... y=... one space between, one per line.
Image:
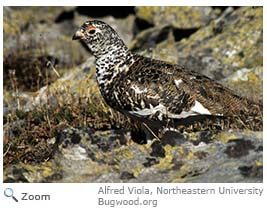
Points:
x=70 y=103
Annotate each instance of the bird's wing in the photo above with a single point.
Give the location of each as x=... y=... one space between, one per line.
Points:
x=169 y=102
x=160 y=90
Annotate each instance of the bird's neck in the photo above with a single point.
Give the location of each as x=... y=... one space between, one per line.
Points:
x=110 y=63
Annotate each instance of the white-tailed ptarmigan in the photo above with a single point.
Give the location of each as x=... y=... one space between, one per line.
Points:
x=159 y=94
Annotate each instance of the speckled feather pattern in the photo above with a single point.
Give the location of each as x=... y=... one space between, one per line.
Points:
x=164 y=95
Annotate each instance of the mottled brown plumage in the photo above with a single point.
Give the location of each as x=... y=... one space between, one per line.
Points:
x=163 y=95
x=227 y=109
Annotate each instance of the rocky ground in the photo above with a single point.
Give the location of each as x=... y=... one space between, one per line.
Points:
x=57 y=127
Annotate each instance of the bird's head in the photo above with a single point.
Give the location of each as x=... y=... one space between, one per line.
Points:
x=99 y=37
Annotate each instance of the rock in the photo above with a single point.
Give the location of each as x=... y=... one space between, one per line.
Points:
x=146 y=40
x=41 y=34
x=223 y=50
x=124 y=27
x=32 y=44
x=158 y=43
x=238 y=160
x=85 y=155
x=227 y=44
x=248 y=82
x=178 y=17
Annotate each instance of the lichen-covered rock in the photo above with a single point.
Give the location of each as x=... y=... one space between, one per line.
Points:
x=124 y=27
x=85 y=155
x=248 y=82
x=178 y=17
x=227 y=44
x=158 y=43
x=36 y=48
x=228 y=49
x=39 y=35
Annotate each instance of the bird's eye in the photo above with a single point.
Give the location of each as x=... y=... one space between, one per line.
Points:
x=92 y=32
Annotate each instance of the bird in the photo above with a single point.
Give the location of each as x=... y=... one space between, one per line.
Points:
x=160 y=95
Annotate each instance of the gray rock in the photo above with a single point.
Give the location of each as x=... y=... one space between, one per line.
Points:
x=84 y=155
x=232 y=42
x=178 y=17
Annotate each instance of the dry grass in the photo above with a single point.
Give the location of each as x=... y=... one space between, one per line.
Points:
x=27 y=132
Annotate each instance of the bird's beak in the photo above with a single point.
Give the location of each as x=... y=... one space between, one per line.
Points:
x=78 y=35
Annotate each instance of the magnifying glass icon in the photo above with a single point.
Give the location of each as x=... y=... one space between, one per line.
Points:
x=9 y=193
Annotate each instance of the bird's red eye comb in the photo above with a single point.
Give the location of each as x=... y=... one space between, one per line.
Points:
x=90 y=27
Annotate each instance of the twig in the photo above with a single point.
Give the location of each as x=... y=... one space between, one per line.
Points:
x=9 y=145
x=150 y=130
x=49 y=64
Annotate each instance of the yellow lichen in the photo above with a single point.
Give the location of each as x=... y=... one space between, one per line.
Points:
x=166 y=162
x=137 y=171
x=190 y=156
x=124 y=153
x=259 y=163
x=225 y=136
